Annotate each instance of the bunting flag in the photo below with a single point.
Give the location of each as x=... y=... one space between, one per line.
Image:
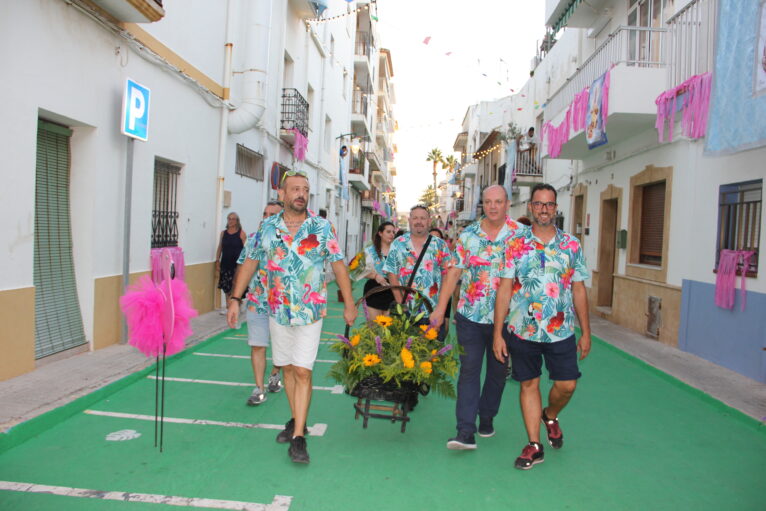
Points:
x=427 y=40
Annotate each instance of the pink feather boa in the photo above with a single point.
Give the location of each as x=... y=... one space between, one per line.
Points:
x=143 y=306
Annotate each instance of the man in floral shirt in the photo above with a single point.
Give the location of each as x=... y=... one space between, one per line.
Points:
x=293 y=248
x=480 y=256
x=545 y=274
x=258 y=318
x=404 y=254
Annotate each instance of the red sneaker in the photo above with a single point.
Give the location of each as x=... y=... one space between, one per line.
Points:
x=555 y=436
x=531 y=455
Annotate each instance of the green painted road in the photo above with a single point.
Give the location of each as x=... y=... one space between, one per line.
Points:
x=635 y=439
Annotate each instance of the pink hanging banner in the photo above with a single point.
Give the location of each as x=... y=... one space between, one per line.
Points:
x=300 y=146
x=694 y=94
x=580 y=110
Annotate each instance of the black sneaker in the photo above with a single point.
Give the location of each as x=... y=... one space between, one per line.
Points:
x=286 y=434
x=486 y=429
x=555 y=436
x=462 y=442
x=531 y=455
x=297 y=450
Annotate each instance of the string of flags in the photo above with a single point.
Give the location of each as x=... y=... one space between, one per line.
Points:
x=345 y=14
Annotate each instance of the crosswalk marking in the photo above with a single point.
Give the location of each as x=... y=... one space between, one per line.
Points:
x=248 y=357
x=280 y=502
x=337 y=389
x=315 y=430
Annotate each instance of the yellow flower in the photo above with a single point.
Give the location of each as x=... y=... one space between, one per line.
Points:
x=407 y=359
x=431 y=334
x=354 y=264
x=434 y=358
x=424 y=327
x=354 y=340
x=371 y=359
x=426 y=367
x=384 y=321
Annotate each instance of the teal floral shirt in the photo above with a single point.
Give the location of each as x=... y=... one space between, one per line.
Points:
x=482 y=260
x=296 y=290
x=373 y=260
x=256 y=297
x=428 y=279
x=542 y=309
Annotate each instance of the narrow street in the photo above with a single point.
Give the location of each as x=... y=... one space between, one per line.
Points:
x=636 y=439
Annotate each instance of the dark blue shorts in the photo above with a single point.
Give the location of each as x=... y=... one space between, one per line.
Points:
x=527 y=359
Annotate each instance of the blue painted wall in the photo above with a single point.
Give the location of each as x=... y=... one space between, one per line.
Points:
x=730 y=338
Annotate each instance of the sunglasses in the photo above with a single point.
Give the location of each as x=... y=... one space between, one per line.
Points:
x=291 y=173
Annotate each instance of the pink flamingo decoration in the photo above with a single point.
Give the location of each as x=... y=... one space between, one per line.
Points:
x=310 y=296
x=158 y=322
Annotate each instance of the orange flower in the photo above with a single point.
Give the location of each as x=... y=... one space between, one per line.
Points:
x=371 y=359
x=385 y=321
x=426 y=367
x=354 y=340
x=431 y=334
x=424 y=327
x=407 y=359
x=434 y=358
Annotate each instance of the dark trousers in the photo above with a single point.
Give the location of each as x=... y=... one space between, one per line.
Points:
x=472 y=399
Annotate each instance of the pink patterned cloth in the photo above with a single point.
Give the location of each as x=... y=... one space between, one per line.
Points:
x=580 y=109
x=725 y=285
x=178 y=258
x=605 y=98
x=558 y=135
x=695 y=107
x=301 y=145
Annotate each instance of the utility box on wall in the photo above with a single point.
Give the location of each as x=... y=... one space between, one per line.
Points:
x=622 y=238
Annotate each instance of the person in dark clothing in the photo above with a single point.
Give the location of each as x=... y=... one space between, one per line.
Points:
x=229 y=247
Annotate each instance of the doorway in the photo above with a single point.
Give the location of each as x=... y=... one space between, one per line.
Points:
x=607 y=252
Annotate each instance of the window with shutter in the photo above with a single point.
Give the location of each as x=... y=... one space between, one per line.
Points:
x=164 y=209
x=249 y=163
x=739 y=220
x=58 y=322
x=652 y=223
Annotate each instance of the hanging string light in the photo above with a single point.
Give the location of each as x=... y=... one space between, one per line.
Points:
x=349 y=13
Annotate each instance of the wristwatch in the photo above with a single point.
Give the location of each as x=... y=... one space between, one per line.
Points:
x=238 y=298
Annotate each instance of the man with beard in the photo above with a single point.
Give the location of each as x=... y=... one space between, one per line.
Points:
x=404 y=254
x=480 y=256
x=545 y=274
x=293 y=246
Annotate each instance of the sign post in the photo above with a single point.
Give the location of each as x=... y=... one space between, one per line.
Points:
x=135 y=124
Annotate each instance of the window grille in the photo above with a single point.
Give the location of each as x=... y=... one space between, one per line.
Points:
x=249 y=163
x=164 y=209
x=739 y=220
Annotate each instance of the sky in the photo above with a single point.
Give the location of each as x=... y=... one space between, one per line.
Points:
x=433 y=90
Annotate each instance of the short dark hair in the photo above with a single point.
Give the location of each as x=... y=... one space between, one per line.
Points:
x=438 y=232
x=543 y=186
x=275 y=203
x=420 y=206
x=531 y=128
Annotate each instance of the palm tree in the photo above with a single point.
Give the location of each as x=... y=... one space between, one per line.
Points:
x=436 y=157
x=449 y=163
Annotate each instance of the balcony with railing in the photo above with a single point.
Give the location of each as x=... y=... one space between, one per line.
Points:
x=358 y=171
x=294 y=116
x=364 y=50
x=360 y=113
x=636 y=58
x=691 y=41
x=528 y=166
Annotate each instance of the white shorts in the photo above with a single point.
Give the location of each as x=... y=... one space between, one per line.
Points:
x=294 y=345
x=257 y=329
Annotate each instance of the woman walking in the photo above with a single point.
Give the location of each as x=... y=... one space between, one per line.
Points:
x=375 y=258
x=229 y=247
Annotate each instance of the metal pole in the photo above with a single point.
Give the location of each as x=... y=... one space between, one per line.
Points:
x=126 y=229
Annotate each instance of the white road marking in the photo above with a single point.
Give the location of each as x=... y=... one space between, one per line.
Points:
x=248 y=357
x=280 y=502
x=315 y=430
x=337 y=389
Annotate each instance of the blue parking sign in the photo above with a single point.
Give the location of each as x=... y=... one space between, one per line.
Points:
x=135 y=111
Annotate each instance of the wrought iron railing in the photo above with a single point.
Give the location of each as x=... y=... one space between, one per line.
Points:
x=529 y=163
x=295 y=112
x=164 y=213
x=363 y=44
x=691 y=41
x=633 y=46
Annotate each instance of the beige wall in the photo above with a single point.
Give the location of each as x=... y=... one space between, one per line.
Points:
x=107 y=326
x=17 y=337
x=629 y=306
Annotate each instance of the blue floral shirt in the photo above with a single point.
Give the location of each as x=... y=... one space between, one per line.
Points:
x=542 y=308
x=374 y=261
x=297 y=293
x=256 y=297
x=428 y=279
x=482 y=260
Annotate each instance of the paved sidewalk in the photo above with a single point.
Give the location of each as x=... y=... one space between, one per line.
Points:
x=60 y=382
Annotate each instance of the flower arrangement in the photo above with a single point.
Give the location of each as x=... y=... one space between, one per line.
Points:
x=395 y=349
x=357 y=265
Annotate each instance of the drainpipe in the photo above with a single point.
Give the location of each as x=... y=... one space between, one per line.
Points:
x=250 y=110
x=231 y=6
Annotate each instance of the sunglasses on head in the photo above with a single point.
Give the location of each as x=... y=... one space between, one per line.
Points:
x=291 y=173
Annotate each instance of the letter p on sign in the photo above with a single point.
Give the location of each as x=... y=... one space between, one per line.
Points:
x=135 y=111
